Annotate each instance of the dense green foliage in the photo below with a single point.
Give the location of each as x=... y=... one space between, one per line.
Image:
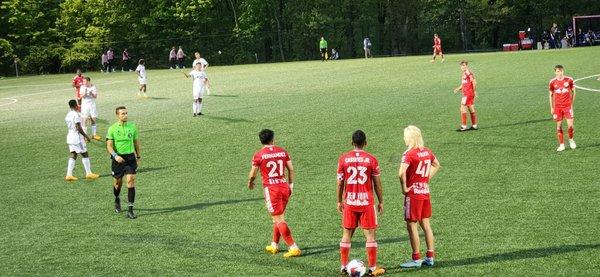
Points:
x=505 y=203
x=52 y=35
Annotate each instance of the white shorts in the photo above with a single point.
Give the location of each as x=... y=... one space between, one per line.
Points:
x=142 y=80
x=89 y=110
x=198 y=93
x=78 y=148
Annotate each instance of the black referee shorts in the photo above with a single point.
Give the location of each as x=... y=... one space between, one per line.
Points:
x=129 y=166
x=323 y=50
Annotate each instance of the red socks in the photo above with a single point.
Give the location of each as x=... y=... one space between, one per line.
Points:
x=463 y=119
x=285 y=231
x=560 y=135
x=473 y=119
x=430 y=254
x=416 y=256
x=276 y=234
x=372 y=253
x=344 y=252
x=571 y=132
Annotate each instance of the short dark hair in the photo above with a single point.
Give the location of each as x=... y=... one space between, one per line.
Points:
x=88 y=78
x=359 y=138
x=465 y=62
x=141 y=61
x=266 y=136
x=119 y=108
x=73 y=104
x=558 y=66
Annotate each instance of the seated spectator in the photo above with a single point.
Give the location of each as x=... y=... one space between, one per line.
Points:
x=545 y=39
x=334 y=54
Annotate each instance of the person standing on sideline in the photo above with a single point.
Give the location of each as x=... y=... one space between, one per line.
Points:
x=181 y=57
x=323 y=48
x=125 y=61
x=141 y=72
x=367 y=47
x=173 y=57
x=104 y=63
x=110 y=54
x=123 y=145
x=76 y=139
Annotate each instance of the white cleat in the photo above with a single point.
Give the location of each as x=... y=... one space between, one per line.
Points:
x=572 y=144
x=560 y=148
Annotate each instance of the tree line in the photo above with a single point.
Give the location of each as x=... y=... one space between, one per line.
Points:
x=49 y=36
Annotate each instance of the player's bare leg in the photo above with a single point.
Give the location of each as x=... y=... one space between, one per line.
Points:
x=463 y=118
x=71 y=166
x=429 y=241
x=413 y=235
x=571 y=133
x=443 y=59
x=433 y=58
x=130 y=195
x=371 y=246
x=118 y=182
x=286 y=233
x=560 y=136
x=345 y=245
x=473 y=117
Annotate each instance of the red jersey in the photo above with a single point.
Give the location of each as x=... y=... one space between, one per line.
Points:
x=419 y=161
x=271 y=160
x=437 y=42
x=467 y=83
x=77 y=81
x=357 y=169
x=561 y=92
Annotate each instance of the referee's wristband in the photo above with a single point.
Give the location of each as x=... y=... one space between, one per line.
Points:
x=113 y=154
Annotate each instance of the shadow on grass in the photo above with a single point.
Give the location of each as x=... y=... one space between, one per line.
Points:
x=314 y=250
x=141 y=170
x=512 y=124
x=224 y=95
x=227 y=119
x=197 y=206
x=524 y=254
x=159 y=98
x=588 y=146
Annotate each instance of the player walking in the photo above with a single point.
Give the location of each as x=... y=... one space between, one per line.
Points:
x=76 y=139
x=437 y=48
x=89 y=93
x=562 y=97
x=123 y=145
x=469 y=91
x=76 y=83
x=418 y=166
x=199 y=81
x=271 y=160
x=357 y=177
x=141 y=72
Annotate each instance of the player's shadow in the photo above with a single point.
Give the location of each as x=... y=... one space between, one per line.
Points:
x=525 y=254
x=197 y=206
x=224 y=95
x=315 y=250
x=512 y=124
x=226 y=119
x=159 y=98
x=142 y=170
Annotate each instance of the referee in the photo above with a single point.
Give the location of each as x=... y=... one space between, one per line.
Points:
x=124 y=148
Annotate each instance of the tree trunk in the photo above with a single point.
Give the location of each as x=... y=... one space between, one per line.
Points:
x=277 y=13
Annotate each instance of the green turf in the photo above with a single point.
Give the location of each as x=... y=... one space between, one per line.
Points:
x=504 y=202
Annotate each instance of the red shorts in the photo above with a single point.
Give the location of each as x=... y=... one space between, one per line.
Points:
x=437 y=50
x=561 y=113
x=416 y=210
x=276 y=198
x=365 y=217
x=467 y=100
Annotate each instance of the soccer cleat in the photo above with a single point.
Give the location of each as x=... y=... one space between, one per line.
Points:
x=97 y=137
x=461 y=129
x=272 y=249
x=474 y=128
x=343 y=271
x=560 y=148
x=293 y=252
x=428 y=262
x=131 y=215
x=412 y=264
x=572 y=144
x=71 y=178
x=117 y=205
x=377 y=272
x=92 y=176
x=200 y=114
x=194 y=115
x=443 y=60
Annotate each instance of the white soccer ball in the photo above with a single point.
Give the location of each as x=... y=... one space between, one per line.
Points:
x=356 y=268
x=219 y=52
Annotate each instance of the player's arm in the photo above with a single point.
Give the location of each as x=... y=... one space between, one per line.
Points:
x=136 y=145
x=474 y=86
x=186 y=75
x=550 y=98
x=291 y=174
x=434 y=167
x=573 y=98
x=402 y=176
x=340 y=195
x=81 y=132
x=379 y=192
x=457 y=89
x=252 y=176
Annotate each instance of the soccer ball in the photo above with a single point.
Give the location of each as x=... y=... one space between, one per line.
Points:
x=356 y=268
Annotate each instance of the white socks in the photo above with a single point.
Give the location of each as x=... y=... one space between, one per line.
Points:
x=199 y=107
x=70 y=167
x=86 y=165
x=93 y=129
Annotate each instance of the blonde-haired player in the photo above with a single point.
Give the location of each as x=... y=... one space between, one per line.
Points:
x=198 y=86
x=418 y=165
x=89 y=93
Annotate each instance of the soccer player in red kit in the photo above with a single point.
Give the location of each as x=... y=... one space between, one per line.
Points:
x=418 y=165
x=76 y=83
x=272 y=160
x=437 y=48
x=562 y=97
x=357 y=177
x=468 y=87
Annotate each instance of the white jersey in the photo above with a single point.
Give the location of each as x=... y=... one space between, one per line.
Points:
x=142 y=70
x=201 y=61
x=198 y=78
x=88 y=95
x=73 y=135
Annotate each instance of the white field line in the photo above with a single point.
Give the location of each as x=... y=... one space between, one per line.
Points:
x=584 y=88
x=14 y=99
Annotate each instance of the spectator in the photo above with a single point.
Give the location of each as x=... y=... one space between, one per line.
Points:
x=569 y=35
x=104 y=63
x=110 y=54
x=545 y=39
x=334 y=54
x=590 y=38
x=181 y=57
x=580 y=38
x=173 y=57
x=554 y=36
x=125 y=62
x=367 y=47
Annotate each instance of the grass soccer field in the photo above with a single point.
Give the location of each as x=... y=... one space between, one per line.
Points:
x=504 y=203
